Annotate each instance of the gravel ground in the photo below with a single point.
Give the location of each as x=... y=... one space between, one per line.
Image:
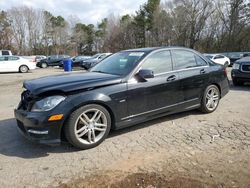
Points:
x=188 y=149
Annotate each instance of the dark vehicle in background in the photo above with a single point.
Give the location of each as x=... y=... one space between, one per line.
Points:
x=234 y=56
x=80 y=58
x=38 y=58
x=127 y=88
x=54 y=60
x=77 y=60
x=91 y=62
x=241 y=71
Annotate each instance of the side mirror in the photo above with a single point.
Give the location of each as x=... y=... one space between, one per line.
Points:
x=143 y=74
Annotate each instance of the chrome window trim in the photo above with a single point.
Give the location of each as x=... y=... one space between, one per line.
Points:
x=146 y=112
x=136 y=69
x=187 y=69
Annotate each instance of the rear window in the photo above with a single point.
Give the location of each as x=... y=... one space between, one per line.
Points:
x=183 y=59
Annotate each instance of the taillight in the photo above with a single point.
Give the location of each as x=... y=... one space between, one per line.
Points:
x=225 y=72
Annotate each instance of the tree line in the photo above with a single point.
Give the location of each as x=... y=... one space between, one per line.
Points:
x=204 y=25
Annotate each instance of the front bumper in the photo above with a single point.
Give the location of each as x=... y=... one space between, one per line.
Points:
x=35 y=127
x=241 y=76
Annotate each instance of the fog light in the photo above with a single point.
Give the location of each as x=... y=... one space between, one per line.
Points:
x=38 y=132
x=55 y=117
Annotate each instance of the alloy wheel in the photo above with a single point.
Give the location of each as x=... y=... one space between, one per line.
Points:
x=212 y=98
x=24 y=69
x=90 y=126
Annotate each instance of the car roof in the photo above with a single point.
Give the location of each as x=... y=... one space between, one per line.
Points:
x=150 y=49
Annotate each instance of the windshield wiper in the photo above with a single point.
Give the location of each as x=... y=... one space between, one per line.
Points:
x=106 y=73
x=101 y=72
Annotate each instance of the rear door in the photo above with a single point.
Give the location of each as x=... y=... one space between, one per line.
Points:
x=193 y=74
x=158 y=94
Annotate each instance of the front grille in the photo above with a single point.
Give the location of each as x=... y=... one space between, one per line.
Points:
x=246 y=67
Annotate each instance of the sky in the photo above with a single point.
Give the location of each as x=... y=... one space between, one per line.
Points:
x=88 y=11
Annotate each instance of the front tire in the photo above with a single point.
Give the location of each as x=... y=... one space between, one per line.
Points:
x=23 y=69
x=88 y=126
x=210 y=99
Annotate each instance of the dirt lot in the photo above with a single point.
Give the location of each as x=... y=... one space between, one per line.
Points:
x=185 y=150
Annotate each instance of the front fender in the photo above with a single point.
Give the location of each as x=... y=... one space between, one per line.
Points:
x=77 y=100
x=87 y=98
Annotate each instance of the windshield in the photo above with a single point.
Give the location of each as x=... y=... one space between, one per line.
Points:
x=120 y=63
x=79 y=57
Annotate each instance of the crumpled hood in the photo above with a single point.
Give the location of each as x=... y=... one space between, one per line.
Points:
x=70 y=82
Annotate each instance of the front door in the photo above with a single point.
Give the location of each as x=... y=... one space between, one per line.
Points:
x=158 y=94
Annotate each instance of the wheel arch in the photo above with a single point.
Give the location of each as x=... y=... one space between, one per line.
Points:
x=97 y=102
x=217 y=85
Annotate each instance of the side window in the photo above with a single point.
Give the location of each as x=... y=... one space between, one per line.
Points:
x=11 y=58
x=183 y=59
x=200 y=61
x=159 y=62
x=2 y=58
x=52 y=57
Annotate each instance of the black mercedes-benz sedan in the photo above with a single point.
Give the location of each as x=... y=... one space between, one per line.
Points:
x=127 y=88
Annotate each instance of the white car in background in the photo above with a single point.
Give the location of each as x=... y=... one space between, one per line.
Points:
x=15 y=64
x=218 y=58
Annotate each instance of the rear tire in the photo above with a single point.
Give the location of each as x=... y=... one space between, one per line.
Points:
x=88 y=126
x=210 y=99
x=23 y=69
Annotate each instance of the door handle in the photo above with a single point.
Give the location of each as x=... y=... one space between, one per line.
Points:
x=202 y=71
x=171 y=78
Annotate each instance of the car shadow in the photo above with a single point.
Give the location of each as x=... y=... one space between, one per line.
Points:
x=12 y=143
x=15 y=73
